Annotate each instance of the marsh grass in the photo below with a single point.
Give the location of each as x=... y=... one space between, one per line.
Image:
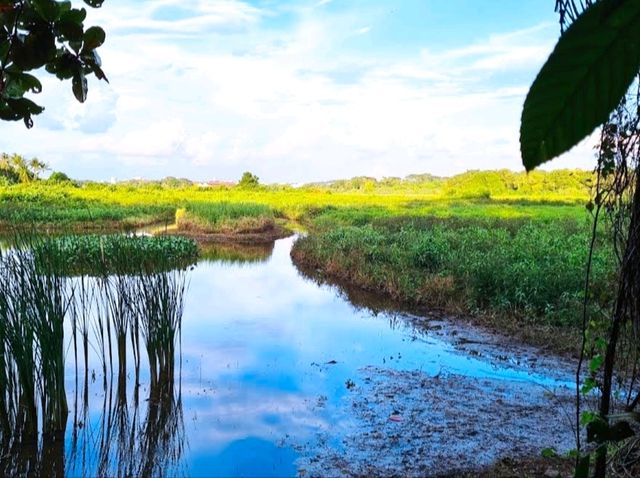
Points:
x=104 y=255
x=107 y=296
x=225 y=217
x=160 y=305
x=531 y=269
x=34 y=303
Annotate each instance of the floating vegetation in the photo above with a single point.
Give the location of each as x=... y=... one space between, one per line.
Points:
x=104 y=292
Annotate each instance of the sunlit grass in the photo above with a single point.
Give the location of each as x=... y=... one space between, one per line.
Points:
x=225 y=217
x=488 y=194
x=517 y=266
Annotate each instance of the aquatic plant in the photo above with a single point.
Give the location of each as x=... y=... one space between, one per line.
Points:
x=102 y=255
x=159 y=300
x=105 y=303
x=33 y=306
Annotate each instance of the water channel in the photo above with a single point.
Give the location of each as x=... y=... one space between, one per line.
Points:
x=280 y=375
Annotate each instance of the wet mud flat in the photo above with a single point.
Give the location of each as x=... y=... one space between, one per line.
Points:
x=419 y=423
x=407 y=423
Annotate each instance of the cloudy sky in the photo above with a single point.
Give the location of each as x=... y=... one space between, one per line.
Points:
x=299 y=90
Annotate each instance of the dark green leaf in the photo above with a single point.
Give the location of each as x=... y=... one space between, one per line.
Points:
x=80 y=86
x=24 y=106
x=93 y=63
x=588 y=385
x=93 y=38
x=64 y=66
x=4 y=48
x=49 y=10
x=75 y=15
x=64 y=6
x=20 y=83
x=94 y=3
x=587 y=417
x=595 y=363
x=597 y=430
x=70 y=30
x=6 y=113
x=583 y=80
x=76 y=46
x=37 y=49
x=99 y=73
x=31 y=83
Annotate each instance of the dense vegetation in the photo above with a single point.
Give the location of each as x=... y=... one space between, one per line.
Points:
x=116 y=253
x=105 y=311
x=225 y=217
x=493 y=242
x=58 y=206
x=474 y=194
x=524 y=268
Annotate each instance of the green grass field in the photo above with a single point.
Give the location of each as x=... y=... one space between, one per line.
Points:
x=500 y=194
x=490 y=242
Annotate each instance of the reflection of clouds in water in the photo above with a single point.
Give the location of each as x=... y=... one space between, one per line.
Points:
x=265 y=357
x=266 y=289
x=223 y=416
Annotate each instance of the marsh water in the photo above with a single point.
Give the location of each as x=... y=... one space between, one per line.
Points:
x=278 y=374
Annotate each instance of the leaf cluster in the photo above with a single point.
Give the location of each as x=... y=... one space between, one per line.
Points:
x=47 y=34
x=591 y=68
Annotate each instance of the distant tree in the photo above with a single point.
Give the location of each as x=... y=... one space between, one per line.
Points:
x=37 y=167
x=8 y=176
x=248 y=180
x=49 y=34
x=16 y=168
x=58 y=177
x=173 y=182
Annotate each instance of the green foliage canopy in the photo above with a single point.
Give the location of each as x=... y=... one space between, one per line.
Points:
x=50 y=34
x=248 y=180
x=16 y=169
x=584 y=79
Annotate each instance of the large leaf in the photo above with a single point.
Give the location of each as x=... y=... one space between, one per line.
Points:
x=584 y=79
x=93 y=38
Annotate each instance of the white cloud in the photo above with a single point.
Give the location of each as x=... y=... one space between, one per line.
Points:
x=219 y=91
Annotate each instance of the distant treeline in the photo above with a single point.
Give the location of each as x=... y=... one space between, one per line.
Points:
x=475 y=184
x=566 y=184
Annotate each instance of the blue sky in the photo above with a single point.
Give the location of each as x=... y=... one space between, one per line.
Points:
x=299 y=90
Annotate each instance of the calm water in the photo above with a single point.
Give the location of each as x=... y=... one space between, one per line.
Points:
x=267 y=355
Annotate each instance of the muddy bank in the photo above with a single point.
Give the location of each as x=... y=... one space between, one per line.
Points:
x=265 y=236
x=408 y=423
x=448 y=423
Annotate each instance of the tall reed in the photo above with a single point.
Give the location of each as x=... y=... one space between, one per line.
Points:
x=105 y=301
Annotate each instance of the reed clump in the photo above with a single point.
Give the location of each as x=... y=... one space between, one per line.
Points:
x=100 y=255
x=225 y=218
x=105 y=291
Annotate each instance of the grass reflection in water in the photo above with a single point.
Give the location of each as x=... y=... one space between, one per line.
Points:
x=47 y=310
